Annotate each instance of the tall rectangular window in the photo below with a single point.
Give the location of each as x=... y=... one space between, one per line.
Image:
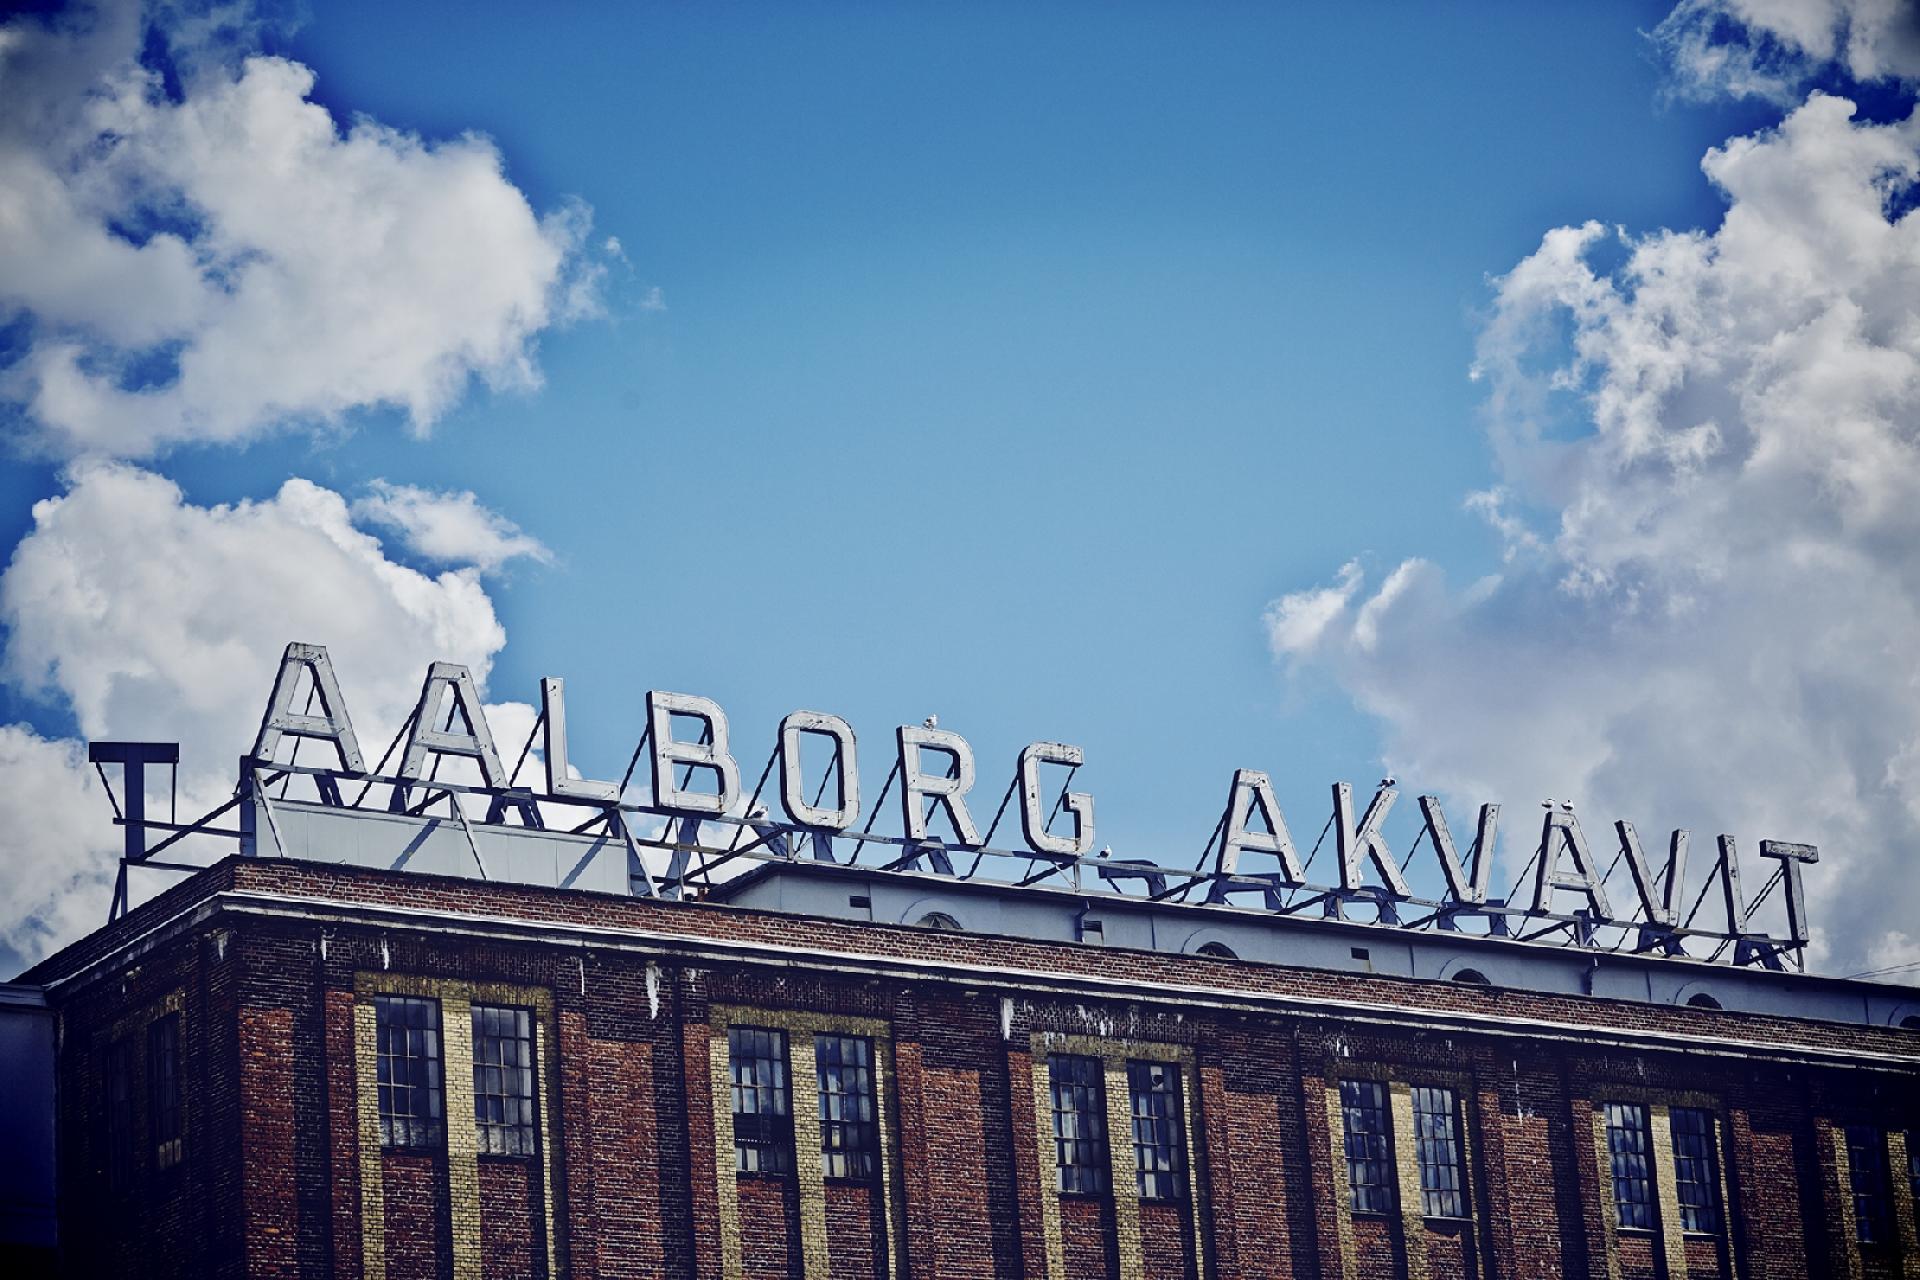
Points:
x=1436 y=1129
x=1628 y=1152
x=1696 y=1170
x=1363 y=1112
x=849 y=1135
x=1913 y=1165
x=407 y=1057
x=1867 y=1172
x=762 y=1105
x=503 y=1107
x=163 y=1089
x=119 y=1090
x=1159 y=1141
x=1079 y=1122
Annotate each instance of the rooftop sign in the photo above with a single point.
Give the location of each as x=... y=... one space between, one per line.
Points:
x=696 y=816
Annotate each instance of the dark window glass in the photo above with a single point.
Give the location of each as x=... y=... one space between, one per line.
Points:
x=1159 y=1143
x=848 y=1135
x=1913 y=1165
x=1867 y=1171
x=1363 y=1111
x=1436 y=1128
x=407 y=1041
x=503 y=1108
x=119 y=1087
x=1696 y=1171
x=762 y=1111
x=1628 y=1151
x=163 y=1089
x=1079 y=1122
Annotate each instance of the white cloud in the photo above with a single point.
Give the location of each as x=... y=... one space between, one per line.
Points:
x=1712 y=625
x=1771 y=49
x=153 y=618
x=212 y=267
x=451 y=528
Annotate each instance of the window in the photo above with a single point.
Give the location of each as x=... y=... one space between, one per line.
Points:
x=1696 y=1173
x=762 y=1116
x=1079 y=1122
x=1701 y=1000
x=407 y=1048
x=119 y=1089
x=1472 y=978
x=848 y=1134
x=1436 y=1128
x=940 y=922
x=503 y=1112
x=1363 y=1109
x=1217 y=950
x=163 y=1089
x=1867 y=1171
x=1628 y=1148
x=1913 y=1163
x=1159 y=1146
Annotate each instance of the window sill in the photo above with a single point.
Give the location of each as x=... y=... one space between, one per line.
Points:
x=1645 y=1233
x=1383 y=1215
x=760 y=1175
x=1446 y=1220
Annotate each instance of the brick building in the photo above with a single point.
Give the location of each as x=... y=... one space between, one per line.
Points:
x=297 y=1066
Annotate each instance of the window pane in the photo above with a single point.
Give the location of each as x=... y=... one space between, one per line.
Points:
x=1159 y=1146
x=1079 y=1122
x=1867 y=1172
x=1437 y=1133
x=849 y=1135
x=163 y=1089
x=1628 y=1146
x=1363 y=1111
x=503 y=1102
x=119 y=1090
x=762 y=1117
x=407 y=1057
x=1696 y=1171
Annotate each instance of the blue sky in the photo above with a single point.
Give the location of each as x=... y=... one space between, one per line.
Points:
x=1006 y=362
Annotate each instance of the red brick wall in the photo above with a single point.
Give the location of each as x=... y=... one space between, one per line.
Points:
x=271 y=1182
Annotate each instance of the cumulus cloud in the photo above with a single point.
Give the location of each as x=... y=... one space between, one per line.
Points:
x=450 y=528
x=212 y=263
x=1710 y=459
x=150 y=617
x=1771 y=49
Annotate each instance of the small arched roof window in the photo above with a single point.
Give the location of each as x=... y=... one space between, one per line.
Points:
x=1701 y=1000
x=1218 y=950
x=939 y=922
x=1472 y=977
x=1911 y=1022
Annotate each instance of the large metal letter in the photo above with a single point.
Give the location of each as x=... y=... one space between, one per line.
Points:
x=331 y=725
x=1790 y=857
x=1562 y=828
x=846 y=767
x=1729 y=872
x=1464 y=886
x=948 y=791
x=1078 y=803
x=553 y=712
x=1251 y=787
x=1665 y=908
x=476 y=743
x=711 y=754
x=1366 y=842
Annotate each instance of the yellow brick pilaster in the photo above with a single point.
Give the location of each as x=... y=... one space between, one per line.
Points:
x=463 y=1141
x=373 y=1191
x=1406 y=1167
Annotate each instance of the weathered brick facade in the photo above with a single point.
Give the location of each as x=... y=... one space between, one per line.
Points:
x=273 y=965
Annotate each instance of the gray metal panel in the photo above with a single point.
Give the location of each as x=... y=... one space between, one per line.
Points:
x=437 y=845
